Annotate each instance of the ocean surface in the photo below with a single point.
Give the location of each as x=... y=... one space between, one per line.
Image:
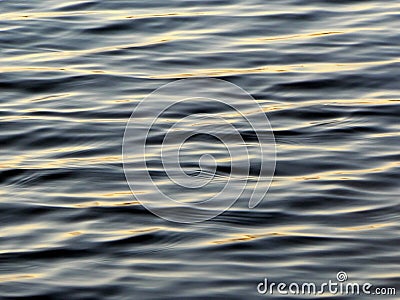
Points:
x=326 y=73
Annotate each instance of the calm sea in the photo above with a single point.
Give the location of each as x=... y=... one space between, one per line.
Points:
x=326 y=73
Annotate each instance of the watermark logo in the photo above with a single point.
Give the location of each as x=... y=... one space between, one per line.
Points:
x=341 y=286
x=341 y=276
x=193 y=147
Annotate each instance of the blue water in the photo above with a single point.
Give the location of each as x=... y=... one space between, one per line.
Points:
x=71 y=72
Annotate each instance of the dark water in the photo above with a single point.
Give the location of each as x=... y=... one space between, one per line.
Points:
x=71 y=72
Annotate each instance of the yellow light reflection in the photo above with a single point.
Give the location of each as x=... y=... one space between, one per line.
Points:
x=18 y=277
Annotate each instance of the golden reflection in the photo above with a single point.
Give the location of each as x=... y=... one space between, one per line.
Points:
x=287 y=37
x=246 y=237
x=18 y=277
x=116 y=195
x=345 y=210
x=14 y=16
x=104 y=203
x=121 y=232
x=308 y=178
x=369 y=227
x=53 y=97
x=370 y=6
x=105 y=14
x=283 y=230
x=345 y=102
x=303 y=68
x=49 y=56
x=25 y=228
x=75 y=233
x=352 y=174
x=135 y=231
x=386 y=274
x=172 y=14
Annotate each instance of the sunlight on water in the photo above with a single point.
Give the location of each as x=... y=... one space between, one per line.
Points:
x=71 y=73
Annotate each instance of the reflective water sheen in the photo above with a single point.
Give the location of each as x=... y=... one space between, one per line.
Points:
x=326 y=74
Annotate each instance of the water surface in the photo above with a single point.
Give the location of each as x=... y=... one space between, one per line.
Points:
x=71 y=72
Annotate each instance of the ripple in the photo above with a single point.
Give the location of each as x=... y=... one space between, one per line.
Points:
x=72 y=72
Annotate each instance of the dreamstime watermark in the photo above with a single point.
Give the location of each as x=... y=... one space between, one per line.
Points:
x=340 y=286
x=193 y=147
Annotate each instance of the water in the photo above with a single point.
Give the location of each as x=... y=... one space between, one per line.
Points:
x=326 y=74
